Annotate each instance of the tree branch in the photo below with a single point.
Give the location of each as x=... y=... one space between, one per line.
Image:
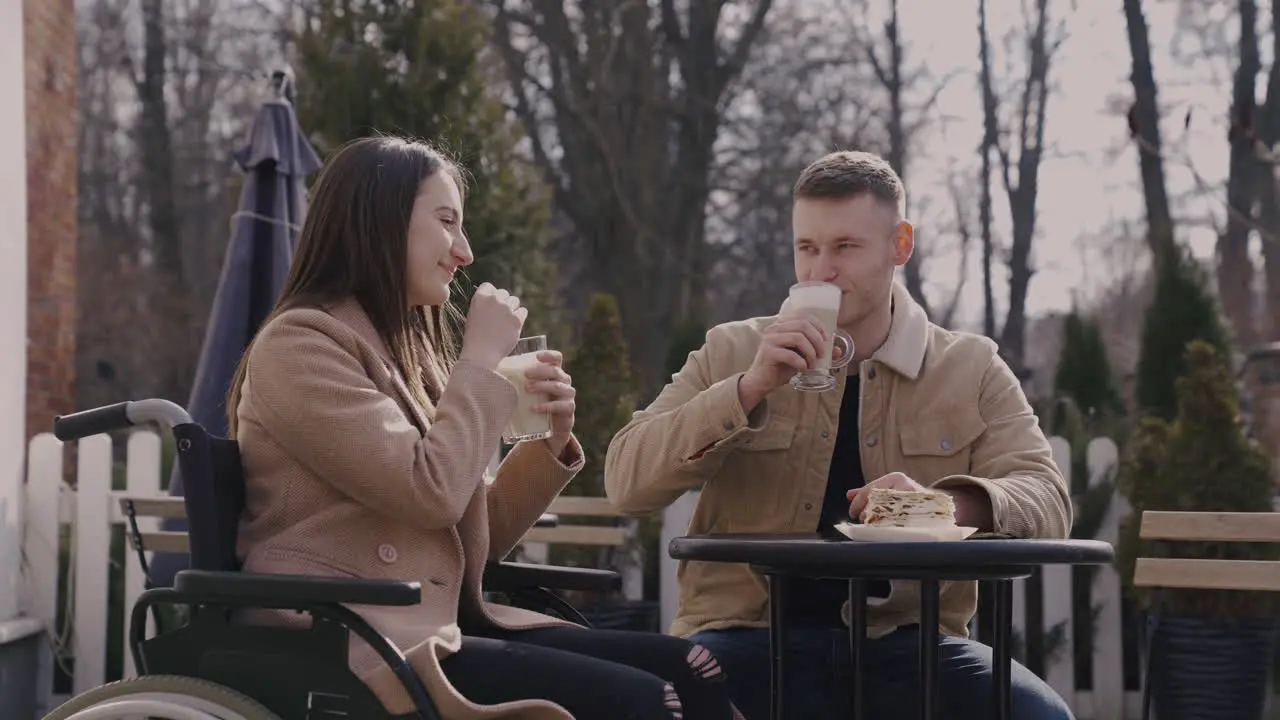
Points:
x=737 y=57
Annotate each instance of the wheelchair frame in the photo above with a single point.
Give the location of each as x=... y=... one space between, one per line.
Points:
x=296 y=673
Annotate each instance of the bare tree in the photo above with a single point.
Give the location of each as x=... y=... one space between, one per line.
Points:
x=1032 y=103
x=959 y=189
x=109 y=214
x=167 y=90
x=1235 y=270
x=155 y=142
x=1124 y=289
x=990 y=136
x=808 y=90
x=901 y=121
x=889 y=73
x=1252 y=197
x=1268 y=189
x=804 y=92
x=1144 y=129
x=1018 y=143
x=1205 y=45
x=1202 y=44
x=622 y=102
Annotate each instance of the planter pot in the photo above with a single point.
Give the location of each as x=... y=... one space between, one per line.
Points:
x=1211 y=670
x=22 y=651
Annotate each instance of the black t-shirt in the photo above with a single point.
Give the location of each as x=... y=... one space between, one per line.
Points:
x=818 y=602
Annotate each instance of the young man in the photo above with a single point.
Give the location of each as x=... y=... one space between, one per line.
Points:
x=918 y=406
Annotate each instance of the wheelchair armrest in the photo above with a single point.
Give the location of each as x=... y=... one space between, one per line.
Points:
x=505 y=576
x=253 y=589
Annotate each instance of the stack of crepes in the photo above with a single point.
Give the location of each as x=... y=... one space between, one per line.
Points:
x=925 y=509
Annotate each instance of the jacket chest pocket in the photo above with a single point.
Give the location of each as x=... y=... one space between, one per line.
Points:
x=936 y=445
x=759 y=481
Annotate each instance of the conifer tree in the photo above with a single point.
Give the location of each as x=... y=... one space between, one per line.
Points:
x=1084 y=371
x=419 y=68
x=1182 y=310
x=1200 y=461
x=606 y=388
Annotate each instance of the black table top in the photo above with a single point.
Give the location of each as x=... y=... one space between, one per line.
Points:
x=809 y=553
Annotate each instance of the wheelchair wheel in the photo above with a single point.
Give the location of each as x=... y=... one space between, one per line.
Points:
x=165 y=697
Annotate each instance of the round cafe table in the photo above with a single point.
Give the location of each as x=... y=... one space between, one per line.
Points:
x=1001 y=560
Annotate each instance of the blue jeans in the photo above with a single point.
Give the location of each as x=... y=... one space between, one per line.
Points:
x=818 y=661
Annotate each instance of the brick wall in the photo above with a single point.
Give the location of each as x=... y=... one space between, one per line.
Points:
x=50 y=49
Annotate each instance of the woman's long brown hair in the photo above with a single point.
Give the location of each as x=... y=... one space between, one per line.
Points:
x=354 y=244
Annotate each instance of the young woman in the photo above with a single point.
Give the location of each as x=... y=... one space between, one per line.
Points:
x=365 y=440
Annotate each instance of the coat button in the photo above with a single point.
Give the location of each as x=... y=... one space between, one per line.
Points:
x=825 y=434
x=872 y=440
x=871 y=373
x=946 y=445
x=387 y=553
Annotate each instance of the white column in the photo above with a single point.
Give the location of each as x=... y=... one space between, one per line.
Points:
x=13 y=299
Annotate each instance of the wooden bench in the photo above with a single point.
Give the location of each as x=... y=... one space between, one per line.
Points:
x=160 y=507
x=1201 y=574
x=171 y=541
x=617 y=532
x=563 y=533
x=591 y=523
x=513 y=579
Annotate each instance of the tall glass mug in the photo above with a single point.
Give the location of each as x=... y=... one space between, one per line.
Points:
x=822 y=302
x=526 y=423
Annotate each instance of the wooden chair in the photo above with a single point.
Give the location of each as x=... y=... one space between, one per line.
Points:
x=135 y=507
x=562 y=533
x=1209 y=574
x=530 y=585
x=1206 y=574
x=618 y=533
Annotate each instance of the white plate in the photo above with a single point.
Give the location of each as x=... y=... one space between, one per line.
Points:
x=874 y=533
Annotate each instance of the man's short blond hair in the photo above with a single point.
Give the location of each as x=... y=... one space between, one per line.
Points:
x=847 y=174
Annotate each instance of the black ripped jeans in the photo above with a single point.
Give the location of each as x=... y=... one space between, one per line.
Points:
x=594 y=674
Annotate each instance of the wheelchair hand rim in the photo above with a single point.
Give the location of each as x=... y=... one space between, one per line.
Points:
x=170 y=706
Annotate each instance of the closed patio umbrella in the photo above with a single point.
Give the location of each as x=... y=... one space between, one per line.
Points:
x=275 y=161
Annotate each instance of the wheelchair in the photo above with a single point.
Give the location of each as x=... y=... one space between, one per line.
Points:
x=215 y=668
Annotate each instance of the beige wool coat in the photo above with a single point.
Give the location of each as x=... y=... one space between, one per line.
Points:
x=347 y=476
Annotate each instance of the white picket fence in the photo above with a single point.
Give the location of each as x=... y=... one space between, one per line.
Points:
x=84 y=515
x=87 y=514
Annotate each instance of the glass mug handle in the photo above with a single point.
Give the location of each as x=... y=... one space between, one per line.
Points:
x=845 y=342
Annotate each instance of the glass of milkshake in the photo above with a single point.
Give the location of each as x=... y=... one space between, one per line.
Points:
x=526 y=423
x=821 y=301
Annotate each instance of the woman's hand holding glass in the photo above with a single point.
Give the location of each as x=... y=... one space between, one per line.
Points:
x=549 y=377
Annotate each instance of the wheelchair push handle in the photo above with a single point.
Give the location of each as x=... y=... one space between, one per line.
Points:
x=96 y=421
